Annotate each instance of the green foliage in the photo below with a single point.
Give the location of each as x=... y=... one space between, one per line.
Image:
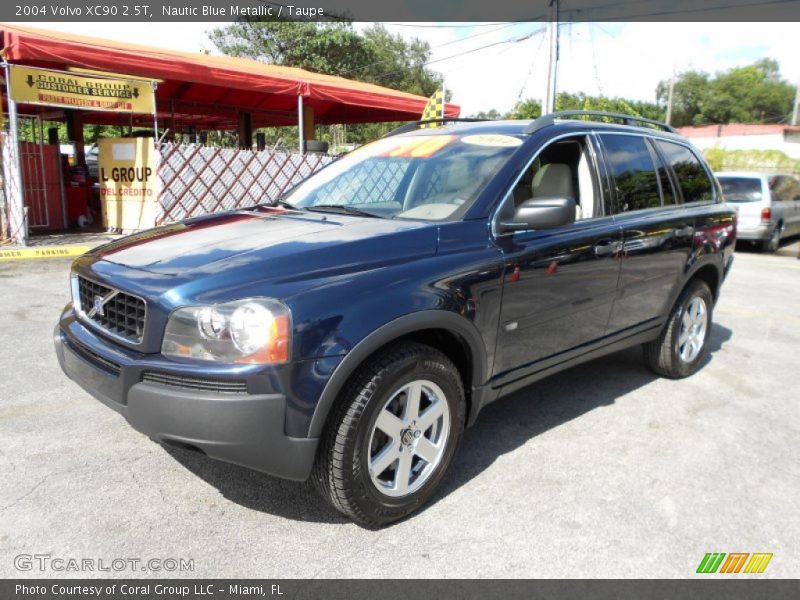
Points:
x=525 y=109
x=751 y=94
x=531 y=108
x=774 y=161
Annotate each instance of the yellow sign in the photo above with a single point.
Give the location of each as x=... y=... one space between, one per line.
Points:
x=72 y=90
x=43 y=252
x=128 y=182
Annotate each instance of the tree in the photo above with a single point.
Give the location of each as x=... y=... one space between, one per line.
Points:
x=532 y=108
x=374 y=56
x=690 y=90
x=330 y=48
x=751 y=94
x=525 y=109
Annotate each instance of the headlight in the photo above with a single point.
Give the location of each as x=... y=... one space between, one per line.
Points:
x=256 y=330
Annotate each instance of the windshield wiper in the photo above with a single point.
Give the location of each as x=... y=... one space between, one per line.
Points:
x=284 y=204
x=342 y=209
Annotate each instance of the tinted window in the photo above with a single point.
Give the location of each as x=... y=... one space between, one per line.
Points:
x=784 y=188
x=740 y=189
x=692 y=177
x=632 y=171
x=667 y=190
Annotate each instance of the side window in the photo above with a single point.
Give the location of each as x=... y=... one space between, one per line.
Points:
x=692 y=177
x=667 y=189
x=564 y=168
x=784 y=188
x=632 y=171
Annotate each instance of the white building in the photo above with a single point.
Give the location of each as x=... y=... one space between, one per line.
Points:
x=735 y=136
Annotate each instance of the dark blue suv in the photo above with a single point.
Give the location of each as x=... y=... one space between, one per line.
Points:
x=351 y=330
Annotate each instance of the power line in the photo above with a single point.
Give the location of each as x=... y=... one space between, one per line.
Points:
x=362 y=68
x=663 y=13
x=473 y=50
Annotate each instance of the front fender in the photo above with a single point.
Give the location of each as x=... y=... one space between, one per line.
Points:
x=418 y=321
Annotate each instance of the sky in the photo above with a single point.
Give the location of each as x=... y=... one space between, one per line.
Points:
x=613 y=59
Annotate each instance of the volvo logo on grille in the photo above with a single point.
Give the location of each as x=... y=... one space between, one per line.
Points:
x=98 y=306
x=99 y=302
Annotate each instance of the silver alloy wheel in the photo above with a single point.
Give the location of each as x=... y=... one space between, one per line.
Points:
x=408 y=439
x=693 y=330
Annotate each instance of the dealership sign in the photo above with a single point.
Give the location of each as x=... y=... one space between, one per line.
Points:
x=128 y=182
x=71 y=90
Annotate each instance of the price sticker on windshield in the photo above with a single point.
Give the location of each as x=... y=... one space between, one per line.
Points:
x=494 y=140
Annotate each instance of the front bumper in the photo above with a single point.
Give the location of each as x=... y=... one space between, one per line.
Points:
x=242 y=428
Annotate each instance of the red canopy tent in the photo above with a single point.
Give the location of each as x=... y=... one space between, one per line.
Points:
x=210 y=92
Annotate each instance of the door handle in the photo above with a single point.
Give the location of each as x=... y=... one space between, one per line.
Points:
x=683 y=232
x=606 y=248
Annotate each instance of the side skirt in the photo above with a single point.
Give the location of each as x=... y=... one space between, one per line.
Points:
x=486 y=394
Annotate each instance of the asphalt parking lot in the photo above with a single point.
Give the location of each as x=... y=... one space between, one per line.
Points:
x=600 y=471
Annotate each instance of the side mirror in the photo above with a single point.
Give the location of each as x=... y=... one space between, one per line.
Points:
x=541 y=213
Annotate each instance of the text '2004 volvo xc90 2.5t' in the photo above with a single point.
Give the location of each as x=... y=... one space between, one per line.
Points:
x=351 y=330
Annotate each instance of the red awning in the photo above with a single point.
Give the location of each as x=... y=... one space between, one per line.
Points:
x=209 y=92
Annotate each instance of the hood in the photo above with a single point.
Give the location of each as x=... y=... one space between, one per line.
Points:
x=215 y=242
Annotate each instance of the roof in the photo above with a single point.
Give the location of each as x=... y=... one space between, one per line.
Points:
x=209 y=91
x=517 y=127
x=737 y=129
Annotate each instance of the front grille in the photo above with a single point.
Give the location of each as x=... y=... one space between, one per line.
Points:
x=122 y=315
x=204 y=384
x=94 y=358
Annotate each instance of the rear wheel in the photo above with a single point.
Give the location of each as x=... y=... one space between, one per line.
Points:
x=393 y=434
x=683 y=344
x=772 y=243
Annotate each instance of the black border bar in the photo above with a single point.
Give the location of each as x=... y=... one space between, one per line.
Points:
x=439 y=11
x=706 y=588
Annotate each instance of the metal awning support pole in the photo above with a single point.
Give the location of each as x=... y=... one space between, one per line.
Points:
x=300 y=124
x=21 y=234
x=155 y=113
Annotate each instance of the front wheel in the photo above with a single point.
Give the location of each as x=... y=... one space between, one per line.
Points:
x=683 y=344
x=393 y=434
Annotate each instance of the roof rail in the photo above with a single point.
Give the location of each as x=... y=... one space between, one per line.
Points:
x=631 y=120
x=414 y=125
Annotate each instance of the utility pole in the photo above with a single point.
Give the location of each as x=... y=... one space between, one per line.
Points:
x=552 y=31
x=670 y=96
x=796 y=104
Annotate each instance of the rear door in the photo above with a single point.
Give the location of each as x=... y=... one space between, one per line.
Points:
x=785 y=194
x=657 y=228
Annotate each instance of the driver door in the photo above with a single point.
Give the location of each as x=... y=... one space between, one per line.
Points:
x=559 y=284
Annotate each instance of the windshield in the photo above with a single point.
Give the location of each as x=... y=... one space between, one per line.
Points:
x=741 y=189
x=430 y=177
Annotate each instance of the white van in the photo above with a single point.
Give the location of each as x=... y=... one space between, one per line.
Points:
x=768 y=205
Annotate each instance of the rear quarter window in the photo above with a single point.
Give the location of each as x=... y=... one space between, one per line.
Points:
x=693 y=179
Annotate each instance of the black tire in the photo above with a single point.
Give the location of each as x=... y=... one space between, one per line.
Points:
x=341 y=473
x=773 y=242
x=663 y=354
